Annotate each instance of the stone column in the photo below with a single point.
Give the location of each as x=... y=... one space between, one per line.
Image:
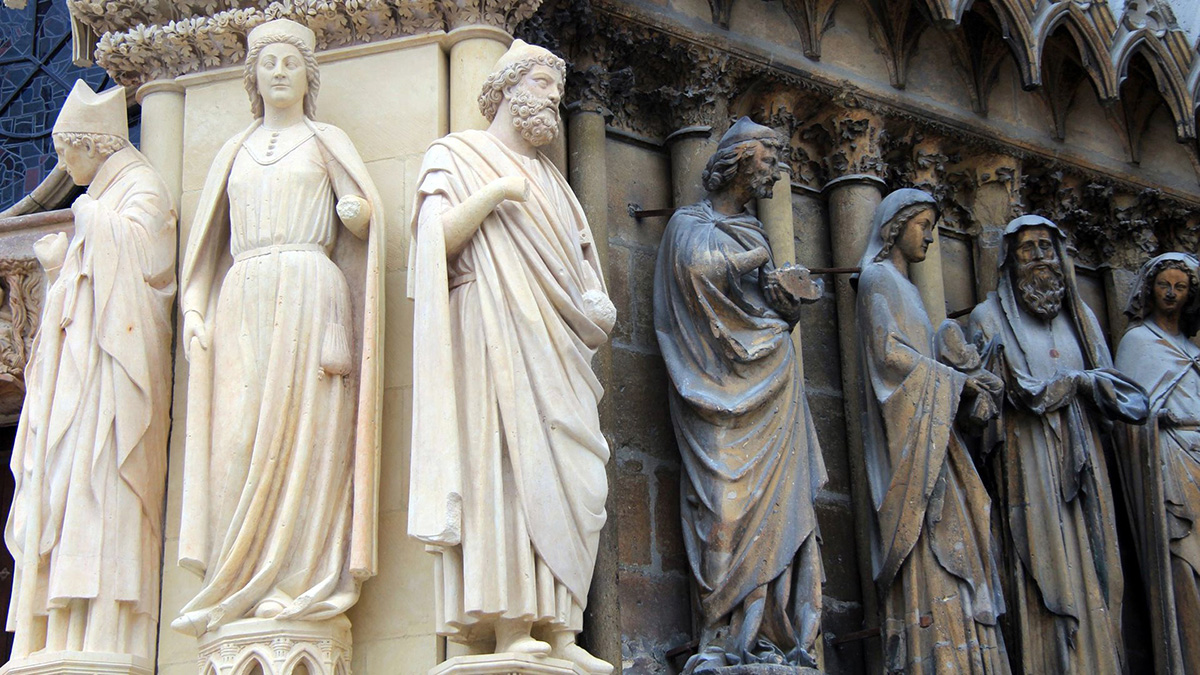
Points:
x=853 y=196
x=474 y=51
x=1117 y=282
x=162 y=131
x=588 y=176
x=776 y=216
x=997 y=201
x=927 y=275
x=691 y=146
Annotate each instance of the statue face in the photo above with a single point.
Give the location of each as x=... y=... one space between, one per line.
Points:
x=763 y=167
x=80 y=162
x=534 y=104
x=1033 y=244
x=1170 y=291
x=282 y=75
x=914 y=240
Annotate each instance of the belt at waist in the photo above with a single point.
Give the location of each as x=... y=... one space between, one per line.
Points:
x=277 y=248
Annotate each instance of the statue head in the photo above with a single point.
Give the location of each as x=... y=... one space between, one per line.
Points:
x=1168 y=286
x=529 y=80
x=748 y=153
x=281 y=67
x=904 y=220
x=90 y=128
x=1034 y=253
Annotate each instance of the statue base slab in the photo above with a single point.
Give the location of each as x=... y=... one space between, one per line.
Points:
x=506 y=663
x=277 y=647
x=79 y=663
x=763 y=669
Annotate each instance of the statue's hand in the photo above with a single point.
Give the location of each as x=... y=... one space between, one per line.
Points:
x=193 y=331
x=354 y=212
x=513 y=188
x=51 y=250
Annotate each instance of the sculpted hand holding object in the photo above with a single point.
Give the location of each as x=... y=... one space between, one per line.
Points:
x=89 y=458
x=282 y=318
x=724 y=314
x=508 y=483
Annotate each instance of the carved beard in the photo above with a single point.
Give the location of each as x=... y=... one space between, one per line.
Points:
x=1042 y=287
x=762 y=184
x=536 y=118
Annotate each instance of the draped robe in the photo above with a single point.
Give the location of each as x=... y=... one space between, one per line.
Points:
x=281 y=461
x=507 y=475
x=91 y=443
x=745 y=433
x=932 y=548
x=1065 y=584
x=1160 y=470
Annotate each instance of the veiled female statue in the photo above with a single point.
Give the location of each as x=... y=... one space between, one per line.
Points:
x=1160 y=466
x=932 y=547
x=282 y=319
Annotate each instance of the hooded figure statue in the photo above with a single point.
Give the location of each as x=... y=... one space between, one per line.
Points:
x=1160 y=461
x=931 y=541
x=1052 y=486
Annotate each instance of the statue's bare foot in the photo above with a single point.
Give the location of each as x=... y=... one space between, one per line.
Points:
x=566 y=648
x=584 y=659
x=513 y=636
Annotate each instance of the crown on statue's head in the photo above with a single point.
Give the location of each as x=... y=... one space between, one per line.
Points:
x=282 y=27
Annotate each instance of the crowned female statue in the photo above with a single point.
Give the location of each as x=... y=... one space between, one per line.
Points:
x=282 y=328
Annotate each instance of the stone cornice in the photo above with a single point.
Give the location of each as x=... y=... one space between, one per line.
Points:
x=143 y=40
x=670 y=34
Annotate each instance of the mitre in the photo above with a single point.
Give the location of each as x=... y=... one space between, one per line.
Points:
x=521 y=50
x=86 y=112
x=282 y=27
x=746 y=129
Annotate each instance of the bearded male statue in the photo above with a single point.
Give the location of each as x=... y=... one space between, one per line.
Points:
x=508 y=482
x=1052 y=485
x=724 y=314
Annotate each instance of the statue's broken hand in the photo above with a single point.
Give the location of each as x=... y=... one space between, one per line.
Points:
x=51 y=250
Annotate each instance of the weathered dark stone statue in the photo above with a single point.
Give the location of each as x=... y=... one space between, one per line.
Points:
x=932 y=552
x=752 y=464
x=1052 y=485
x=1160 y=463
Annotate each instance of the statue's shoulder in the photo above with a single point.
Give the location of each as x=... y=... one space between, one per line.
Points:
x=987 y=314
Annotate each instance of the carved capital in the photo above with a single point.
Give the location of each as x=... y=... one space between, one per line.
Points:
x=21 y=295
x=856 y=147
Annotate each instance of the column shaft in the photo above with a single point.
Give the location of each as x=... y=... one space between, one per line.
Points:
x=588 y=176
x=852 y=203
x=690 y=149
x=775 y=213
x=474 y=51
x=927 y=277
x=162 y=131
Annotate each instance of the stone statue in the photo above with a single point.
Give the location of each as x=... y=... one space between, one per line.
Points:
x=283 y=312
x=508 y=482
x=932 y=548
x=752 y=463
x=1053 y=488
x=1164 y=502
x=90 y=453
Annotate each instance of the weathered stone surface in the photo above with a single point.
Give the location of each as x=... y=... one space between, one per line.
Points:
x=668 y=535
x=639 y=405
x=633 y=513
x=763 y=669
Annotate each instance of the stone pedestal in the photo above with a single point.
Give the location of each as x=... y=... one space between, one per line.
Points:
x=79 y=663
x=278 y=647
x=506 y=664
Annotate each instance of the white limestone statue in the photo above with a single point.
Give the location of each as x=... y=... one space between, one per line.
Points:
x=508 y=482
x=90 y=453
x=282 y=328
